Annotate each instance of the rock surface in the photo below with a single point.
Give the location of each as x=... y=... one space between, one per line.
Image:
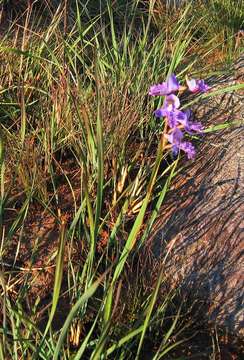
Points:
x=203 y=216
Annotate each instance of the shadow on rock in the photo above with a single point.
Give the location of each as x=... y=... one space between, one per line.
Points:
x=202 y=218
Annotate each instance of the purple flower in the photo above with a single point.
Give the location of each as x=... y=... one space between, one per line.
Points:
x=175 y=118
x=188 y=148
x=184 y=119
x=175 y=138
x=169 y=86
x=160 y=113
x=171 y=102
x=197 y=85
x=170 y=115
x=172 y=83
x=202 y=86
x=192 y=85
x=172 y=119
x=192 y=128
x=169 y=110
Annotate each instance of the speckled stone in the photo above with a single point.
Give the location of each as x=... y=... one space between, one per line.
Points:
x=203 y=216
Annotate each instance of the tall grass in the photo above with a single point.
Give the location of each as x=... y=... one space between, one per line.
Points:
x=80 y=148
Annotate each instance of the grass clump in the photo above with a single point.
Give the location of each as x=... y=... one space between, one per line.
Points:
x=84 y=170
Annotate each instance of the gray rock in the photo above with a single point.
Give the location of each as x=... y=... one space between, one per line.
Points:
x=202 y=218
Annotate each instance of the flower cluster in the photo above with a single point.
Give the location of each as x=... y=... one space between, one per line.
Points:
x=178 y=121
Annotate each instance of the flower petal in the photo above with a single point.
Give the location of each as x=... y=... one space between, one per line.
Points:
x=195 y=127
x=161 y=112
x=197 y=85
x=188 y=148
x=165 y=88
x=192 y=85
x=202 y=86
x=175 y=136
x=172 y=83
x=171 y=102
x=158 y=90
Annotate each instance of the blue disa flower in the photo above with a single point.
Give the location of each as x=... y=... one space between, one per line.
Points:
x=169 y=86
x=178 y=122
x=196 y=86
x=175 y=139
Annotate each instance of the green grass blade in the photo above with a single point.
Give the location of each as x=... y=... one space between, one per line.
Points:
x=83 y=346
x=160 y=200
x=132 y=334
x=100 y=159
x=57 y=286
x=83 y=299
x=149 y=312
x=58 y=277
